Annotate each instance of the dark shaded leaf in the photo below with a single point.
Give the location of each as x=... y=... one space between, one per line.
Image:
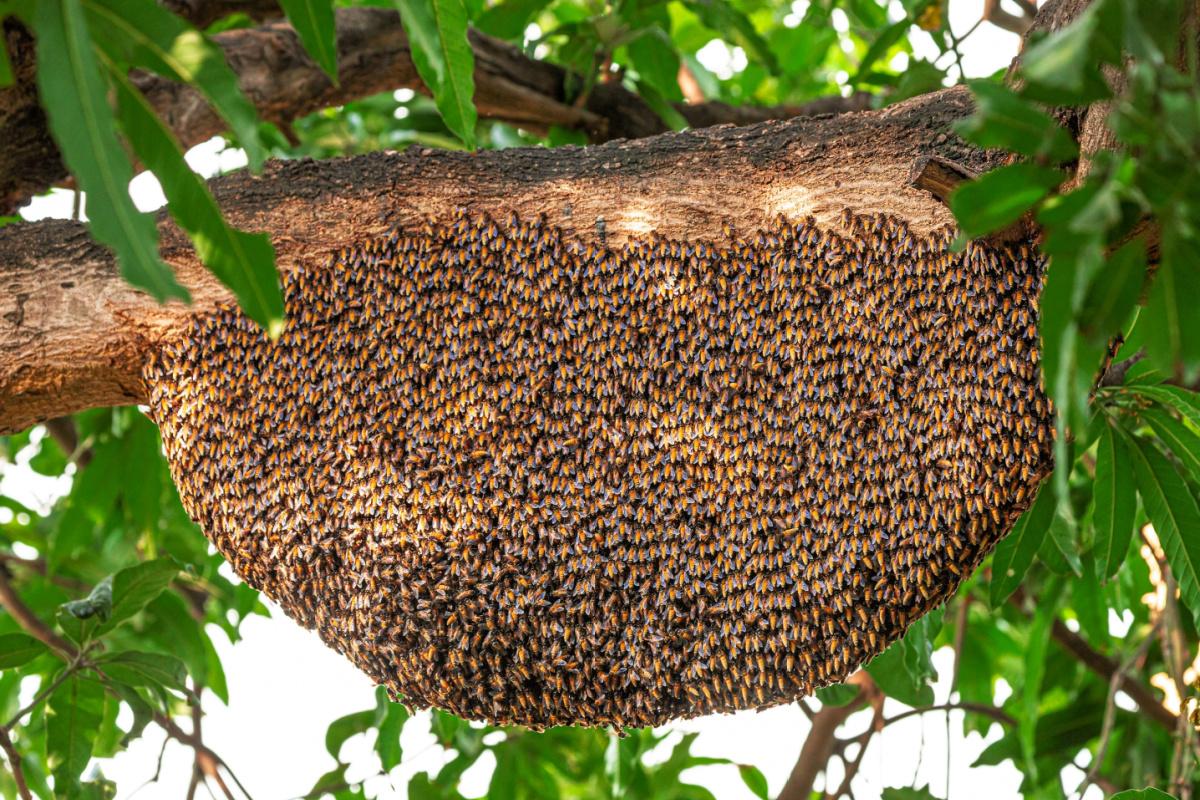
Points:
x=145 y=669
x=1114 y=291
x=134 y=587
x=19 y=648
x=97 y=604
x=1178 y=438
x=1115 y=502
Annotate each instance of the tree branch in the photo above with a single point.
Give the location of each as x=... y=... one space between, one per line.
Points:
x=819 y=744
x=14 y=761
x=74 y=335
x=30 y=621
x=278 y=76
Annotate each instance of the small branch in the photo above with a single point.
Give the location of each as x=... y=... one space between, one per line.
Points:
x=30 y=621
x=14 y=760
x=974 y=708
x=1078 y=648
x=1092 y=775
x=996 y=15
x=1115 y=375
x=819 y=744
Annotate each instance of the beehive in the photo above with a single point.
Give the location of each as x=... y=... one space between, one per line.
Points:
x=531 y=479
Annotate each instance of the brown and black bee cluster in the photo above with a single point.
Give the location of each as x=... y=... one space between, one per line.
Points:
x=534 y=480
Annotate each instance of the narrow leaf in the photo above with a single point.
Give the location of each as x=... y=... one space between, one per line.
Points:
x=313 y=22
x=1115 y=503
x=1178 y=439
x=1061 y=536
x=144 y=34
x=1172 y=509
x=388 y=743
x=1015 y=553
x=1114 y=291
x=1004 y=120
x=244 y=262
x=437 y=30
x=75 y=97
x=343 y=728
x=1172 y=333
x=1185 y=402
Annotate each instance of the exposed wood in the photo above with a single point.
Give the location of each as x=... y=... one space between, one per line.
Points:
x=72 y=333
x=278 y=76
x=940 y=177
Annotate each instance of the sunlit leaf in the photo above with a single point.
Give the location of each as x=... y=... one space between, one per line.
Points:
x=437 y=30
x=1004 y=120
x=755 y=781
x=75 y=98
x=134 y=587
x=1000 y=197
x=244 y=262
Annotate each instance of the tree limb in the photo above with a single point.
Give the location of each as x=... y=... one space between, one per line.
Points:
x=30 y=621
x=74 y=335
x=284 y=84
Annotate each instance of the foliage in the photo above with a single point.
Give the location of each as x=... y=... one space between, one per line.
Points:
x=130 y=594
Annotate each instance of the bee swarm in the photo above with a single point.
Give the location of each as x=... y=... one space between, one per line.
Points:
x=540 y=481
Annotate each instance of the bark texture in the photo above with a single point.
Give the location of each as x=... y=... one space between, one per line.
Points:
x=73 y=334
x=277 y=75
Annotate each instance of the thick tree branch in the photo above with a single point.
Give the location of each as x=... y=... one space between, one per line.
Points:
x=819 y=744
x=277 y=75
x=29 y=621
x=73 y=335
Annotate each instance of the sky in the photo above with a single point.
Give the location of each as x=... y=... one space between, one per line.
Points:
x=286 y=687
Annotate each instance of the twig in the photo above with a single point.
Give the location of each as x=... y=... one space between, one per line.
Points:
x=862 y=740
x=30 y=621
x=14 y=760
x=1110 y=709
x=974 y=708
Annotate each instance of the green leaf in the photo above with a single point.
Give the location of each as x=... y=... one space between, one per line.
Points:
x=314 y=23
x=343 y=728
x=1143 y=794
x=1063 y=68
x=144 y=34
x=883 y=42
x=74 y=96
x=136 y=668
x=97 y=604
x=1178 y=438
x=903 y=670
x=143 y=712
x=908 y=793
x=179 y=633
x=1172 y=333
x=755 y=781
x=6 y=72
x=1045 y=613
x=1000 y=197
x=508 y=20
x=437 y=30
x=388 y=743
x=1115 y=503
x=134 y=587
x=73 y=717
x=1061 y=536
x=18 y=648
x=620 y=760
x=1004 y=120
x=1114 y=292
x=244 y=262
x=1014 y=555
x=657 y=64
x=1172 y=509
x=661 y=106
x=722 y=17
x=1185 y=402
x=838 y=694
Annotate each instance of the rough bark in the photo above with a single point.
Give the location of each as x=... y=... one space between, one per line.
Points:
x=72 y=333
x=285 y=84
